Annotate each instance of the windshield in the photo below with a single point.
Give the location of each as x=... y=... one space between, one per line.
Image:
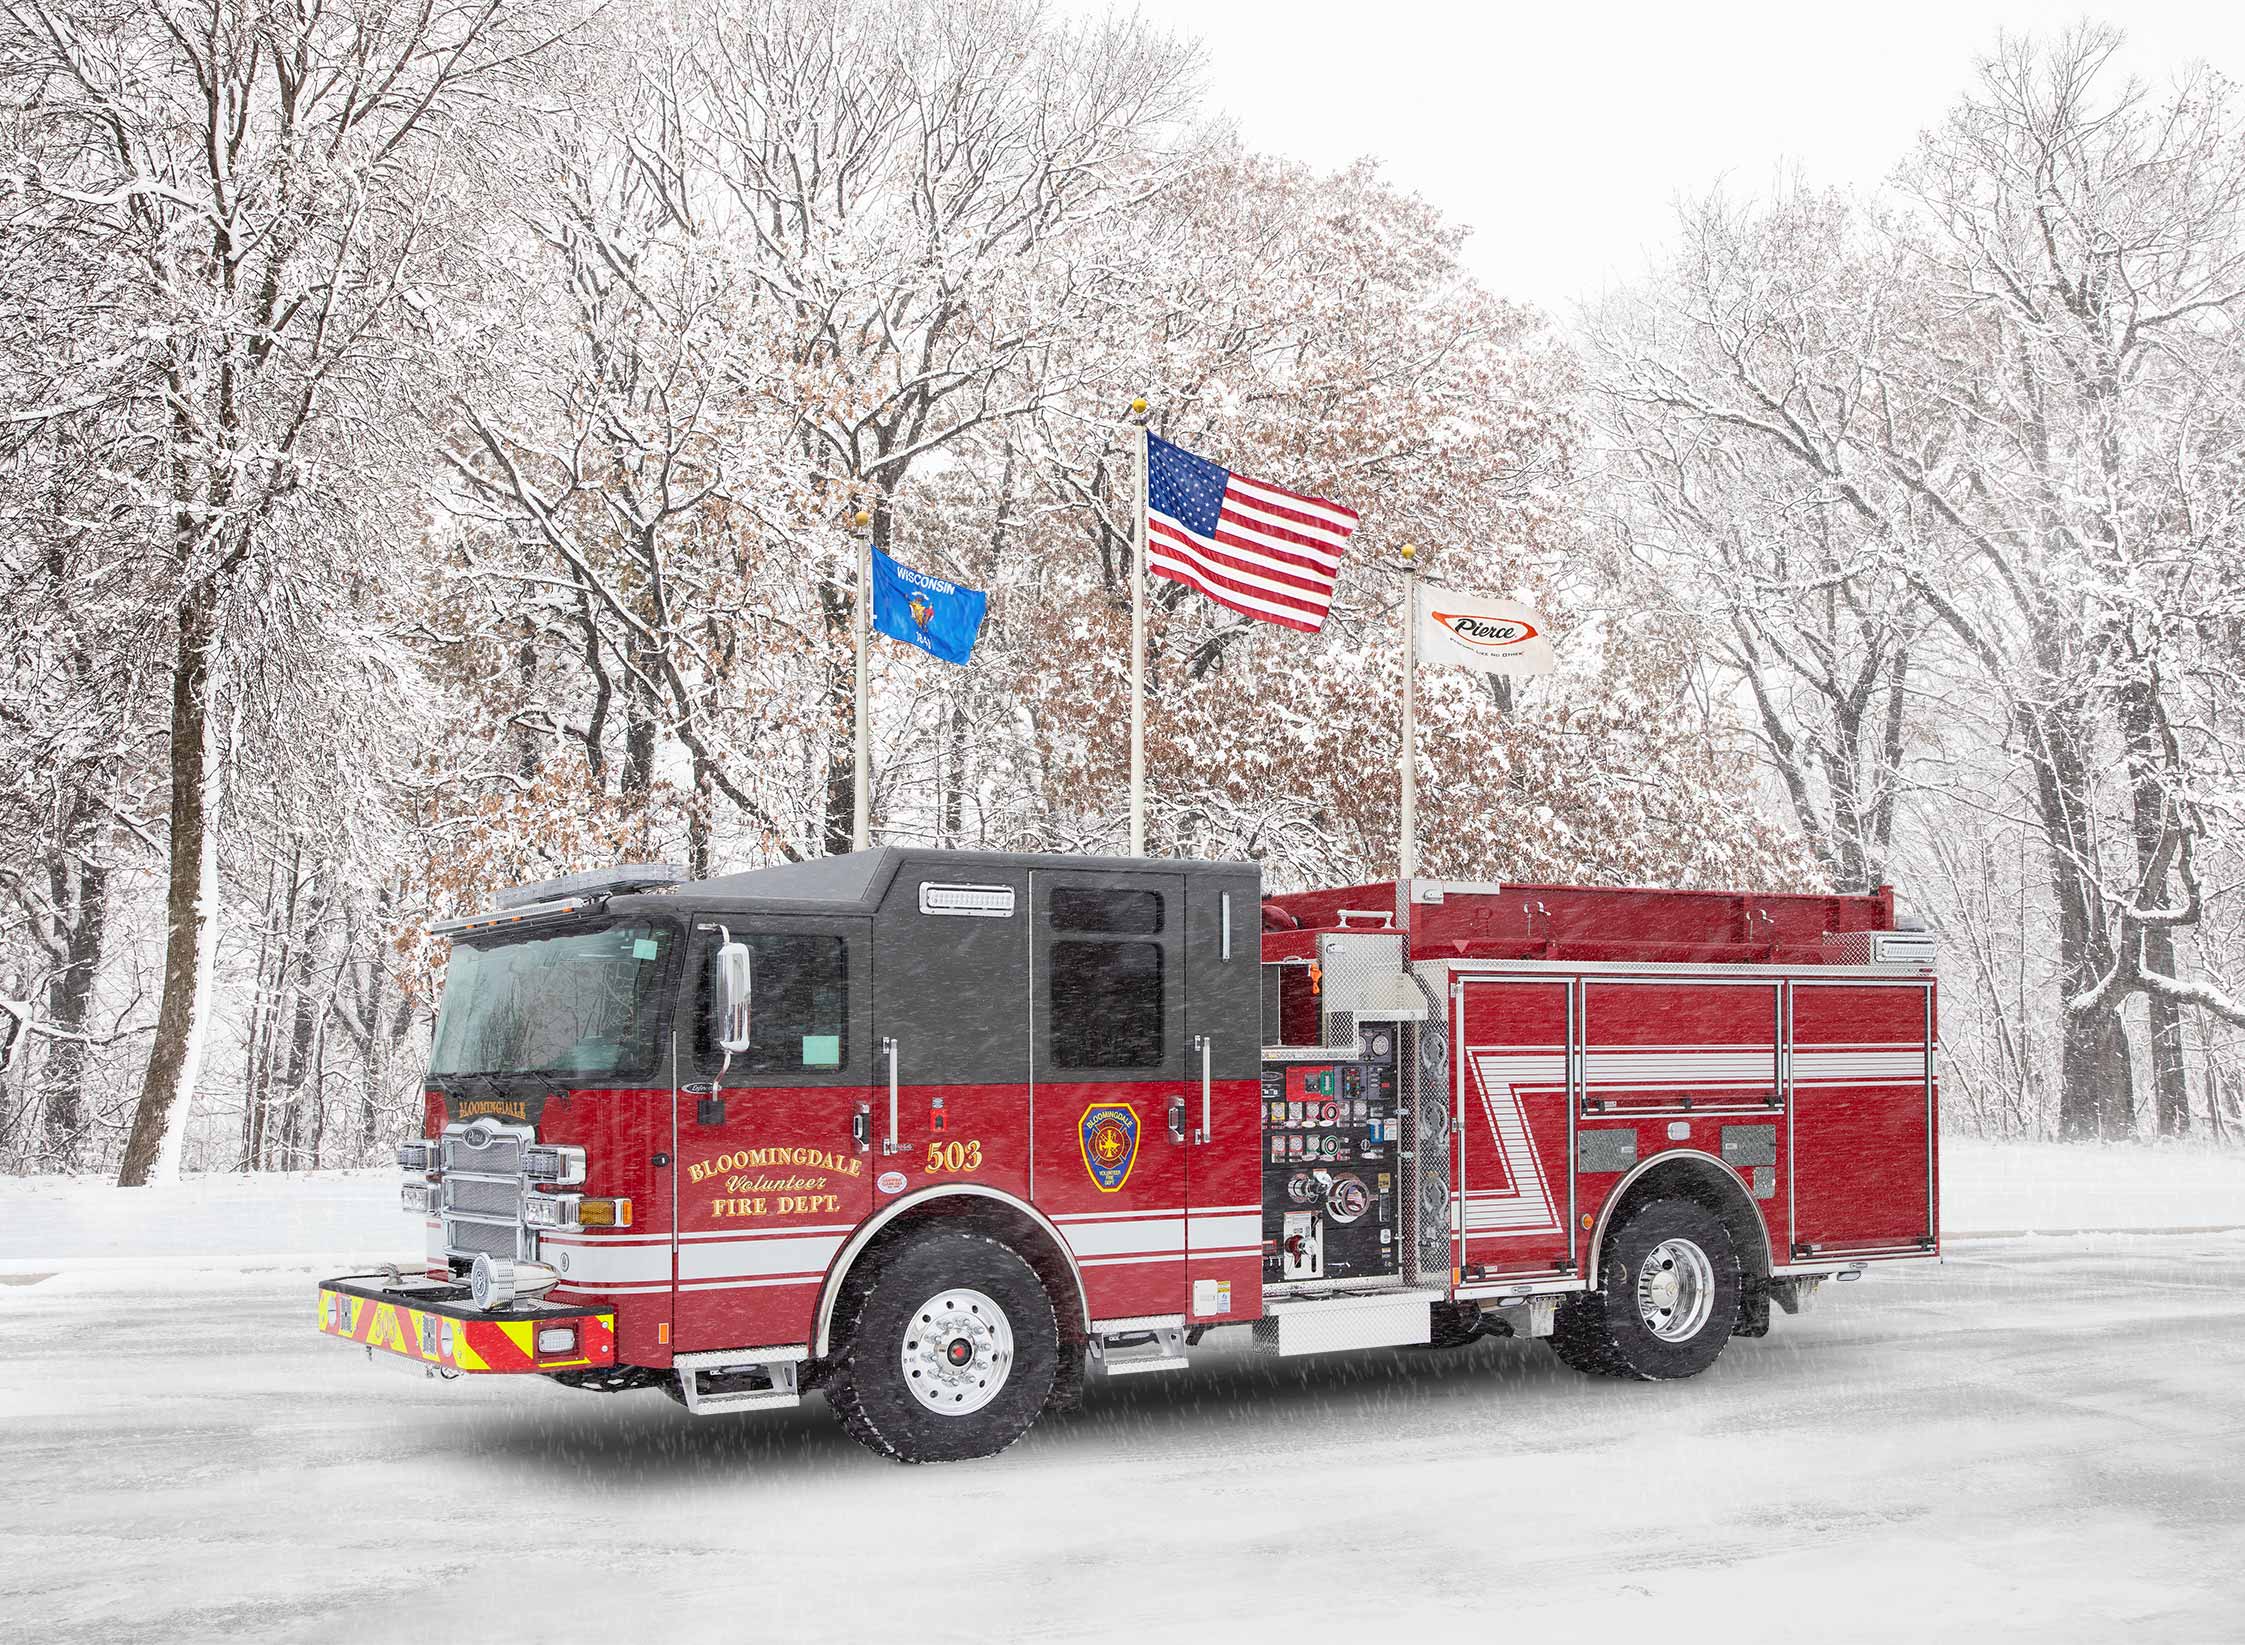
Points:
x=574 y=1002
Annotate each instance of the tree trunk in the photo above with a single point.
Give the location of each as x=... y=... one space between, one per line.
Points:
x=2170 y=1082
x=300 y=1043
x=167 y=1091
x=526 y=683
x=699 y=807
x=841 y=692
x=2092 y=1054
x=954 y=794
x=70 y=1003
x=2094 y=1092
x=2155 y=825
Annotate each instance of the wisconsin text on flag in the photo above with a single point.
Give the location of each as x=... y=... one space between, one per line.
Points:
x=1262 y=550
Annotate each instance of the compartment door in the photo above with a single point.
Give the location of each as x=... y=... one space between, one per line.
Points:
x=1862 y=1117
x=1116 y=1080
x=1512 y=1120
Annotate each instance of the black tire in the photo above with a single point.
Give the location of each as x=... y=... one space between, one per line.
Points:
x=1606 y=1332
x=868 y=1384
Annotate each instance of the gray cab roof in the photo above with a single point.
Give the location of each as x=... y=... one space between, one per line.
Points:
x=858 y=879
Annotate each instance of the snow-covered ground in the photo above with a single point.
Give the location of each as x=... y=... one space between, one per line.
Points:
x=2040 y=1438
x=2014 y=1187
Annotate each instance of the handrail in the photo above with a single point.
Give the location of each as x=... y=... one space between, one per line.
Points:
x=1205 y=1127
x=892 y=1145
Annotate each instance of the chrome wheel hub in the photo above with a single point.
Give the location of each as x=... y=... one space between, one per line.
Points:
x=957 y=1352
x=1675 y=1290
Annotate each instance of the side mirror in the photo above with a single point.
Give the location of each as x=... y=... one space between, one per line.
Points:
x=731 y=985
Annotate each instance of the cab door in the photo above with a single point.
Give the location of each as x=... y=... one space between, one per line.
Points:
x=1115 y=1080
x=774 y=1164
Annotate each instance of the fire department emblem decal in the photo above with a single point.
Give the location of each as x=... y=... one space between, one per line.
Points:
x=1109 y=1135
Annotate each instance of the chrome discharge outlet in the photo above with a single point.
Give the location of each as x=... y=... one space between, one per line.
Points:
x=500 y=1282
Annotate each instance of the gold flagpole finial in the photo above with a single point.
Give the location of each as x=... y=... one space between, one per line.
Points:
x=861 y=519
x=1138 y=406
x=1409 y=552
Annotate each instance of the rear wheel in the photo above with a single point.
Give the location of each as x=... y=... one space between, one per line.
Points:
x=950 y=1349
x=1668 y=1294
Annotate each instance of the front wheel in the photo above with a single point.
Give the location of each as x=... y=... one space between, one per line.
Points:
x=950 y=1350
x=1668 y=1294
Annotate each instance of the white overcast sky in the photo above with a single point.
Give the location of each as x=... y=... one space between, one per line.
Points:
x=1563 y=133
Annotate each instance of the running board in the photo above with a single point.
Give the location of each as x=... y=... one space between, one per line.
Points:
x=1325 y=1325
x=733 y=1376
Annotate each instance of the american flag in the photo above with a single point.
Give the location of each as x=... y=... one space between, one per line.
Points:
x=1262 y=550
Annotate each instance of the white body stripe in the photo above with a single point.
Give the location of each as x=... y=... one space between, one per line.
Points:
x=1523 y=1203
x=599 y=1264
x=757 y=1259
x=1859 y=1067
x=1158 y=1235
x=1228 y=1231
x=1633 y=1066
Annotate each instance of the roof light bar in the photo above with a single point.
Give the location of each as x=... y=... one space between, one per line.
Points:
x=512 y=916
x=595 y=882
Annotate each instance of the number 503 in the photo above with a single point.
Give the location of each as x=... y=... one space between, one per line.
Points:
x=953 y=1156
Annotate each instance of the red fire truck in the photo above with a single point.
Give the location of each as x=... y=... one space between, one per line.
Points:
x=938 y=1134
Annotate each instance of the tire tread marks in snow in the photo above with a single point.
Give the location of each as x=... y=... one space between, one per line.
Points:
x=866 y=1383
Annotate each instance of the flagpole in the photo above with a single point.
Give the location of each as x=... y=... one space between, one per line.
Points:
x=861 y=816
x=1138 y=643
x=1407 y=854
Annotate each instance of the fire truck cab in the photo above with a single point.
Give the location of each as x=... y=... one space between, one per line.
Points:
x=938 y=1133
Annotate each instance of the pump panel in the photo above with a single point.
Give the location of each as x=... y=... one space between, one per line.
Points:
x=1332 y=1172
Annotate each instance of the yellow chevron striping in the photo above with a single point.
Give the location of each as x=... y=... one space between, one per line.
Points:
x=518 y=1332
x=464 y=1356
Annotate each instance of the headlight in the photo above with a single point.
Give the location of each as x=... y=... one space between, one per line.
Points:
x=422 y=1197
x=553 y=1162
x=417 y=1156
x=550 y=1210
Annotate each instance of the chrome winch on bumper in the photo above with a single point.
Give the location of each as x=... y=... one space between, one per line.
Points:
x=437 y=1323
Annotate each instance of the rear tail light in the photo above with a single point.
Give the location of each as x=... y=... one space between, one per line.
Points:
x=421 y=1197
x=555 y=1163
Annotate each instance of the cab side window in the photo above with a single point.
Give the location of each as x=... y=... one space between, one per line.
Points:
x=1105 y=989
x=799 y=1006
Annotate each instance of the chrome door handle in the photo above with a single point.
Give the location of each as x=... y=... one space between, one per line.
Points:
x=1205 y=1128
x=892 y=1145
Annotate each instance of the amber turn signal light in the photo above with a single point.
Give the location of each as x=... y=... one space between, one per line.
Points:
x=604 y=1213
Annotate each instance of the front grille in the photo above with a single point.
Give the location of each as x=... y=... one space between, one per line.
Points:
x=483 y=1189
x=501 y=1198
x=468 y=1239
x=483 y=1147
